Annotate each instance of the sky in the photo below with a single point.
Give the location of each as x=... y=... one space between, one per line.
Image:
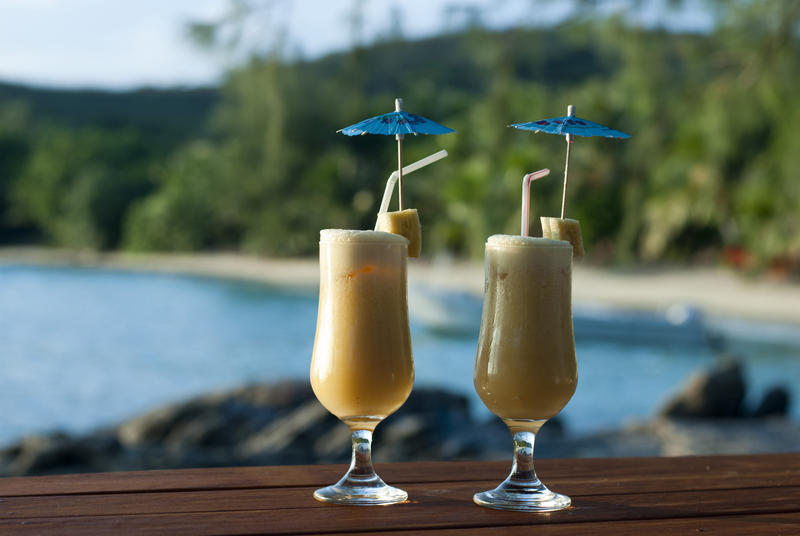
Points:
x=120 y=44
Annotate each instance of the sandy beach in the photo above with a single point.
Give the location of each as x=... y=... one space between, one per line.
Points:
x=715 y=291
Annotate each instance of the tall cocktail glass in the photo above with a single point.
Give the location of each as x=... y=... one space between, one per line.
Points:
x=525 y=368
x=362 y=368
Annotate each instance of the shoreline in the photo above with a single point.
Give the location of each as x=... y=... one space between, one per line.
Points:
x=717 y=292
x=282 y=423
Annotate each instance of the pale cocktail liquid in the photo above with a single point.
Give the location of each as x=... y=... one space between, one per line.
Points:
x=362 y=368
x=525 y=367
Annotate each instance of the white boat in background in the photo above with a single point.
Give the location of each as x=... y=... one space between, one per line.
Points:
x=459 y=314
x=445 y=311
x=678 y=324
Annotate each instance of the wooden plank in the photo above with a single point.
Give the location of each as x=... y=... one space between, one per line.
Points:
x=158 y=503
x=170 y=480
x=604 y=491
x=246 y=523
x=768 y=524
x=432 y=508
x=278 y=498
x=619 y=470
x=231 y=478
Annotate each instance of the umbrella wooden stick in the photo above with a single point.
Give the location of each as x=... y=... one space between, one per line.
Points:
x=571 y=113
x=566 y=178
x=398 y=107
x=400 y=170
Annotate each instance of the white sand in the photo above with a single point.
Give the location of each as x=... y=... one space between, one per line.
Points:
x=715 y=291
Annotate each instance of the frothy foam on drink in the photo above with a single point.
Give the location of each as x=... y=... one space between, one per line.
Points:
x=529 y=241
x=350 y=235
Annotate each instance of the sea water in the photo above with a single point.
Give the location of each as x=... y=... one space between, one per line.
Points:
x=82 y=348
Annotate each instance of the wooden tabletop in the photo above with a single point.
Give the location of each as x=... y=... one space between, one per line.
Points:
x=690 y=495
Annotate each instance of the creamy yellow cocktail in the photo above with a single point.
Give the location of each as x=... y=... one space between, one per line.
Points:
x=525 y=366
x=362 y=368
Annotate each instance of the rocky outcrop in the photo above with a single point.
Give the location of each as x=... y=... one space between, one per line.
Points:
x=283 y=423
x=775 y=403
x=716 y=393
x=271 y=424
x=60 y=453
x=719 y=393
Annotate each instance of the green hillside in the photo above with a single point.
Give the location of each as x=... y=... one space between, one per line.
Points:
x=257 y=165
x=180 y=111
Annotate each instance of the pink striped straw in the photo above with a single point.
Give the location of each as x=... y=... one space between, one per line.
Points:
x=526 y=195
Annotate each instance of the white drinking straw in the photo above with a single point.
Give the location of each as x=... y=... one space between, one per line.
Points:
x=526 y=196
x=387 y=193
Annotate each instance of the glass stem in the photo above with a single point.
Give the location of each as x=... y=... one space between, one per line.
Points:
x=522 y=490
x=361 y=464
x=360 y=485
x=522 y=471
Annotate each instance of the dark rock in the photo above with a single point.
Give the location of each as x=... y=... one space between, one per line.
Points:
x=218 y=419
x=713 y=394
x=774 y=403
x=494 y=440
x=258 y=424
x=284 y=424
x=428 y=426
x=288 y=438
x=333 y=446
x=60 y=453
x=280 y=423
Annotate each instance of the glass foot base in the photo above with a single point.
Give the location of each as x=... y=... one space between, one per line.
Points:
x=360 y=485
x=508 y=496
x=371 y=494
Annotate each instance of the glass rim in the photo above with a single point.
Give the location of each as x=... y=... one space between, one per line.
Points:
x=526 y=242
x=356 y=236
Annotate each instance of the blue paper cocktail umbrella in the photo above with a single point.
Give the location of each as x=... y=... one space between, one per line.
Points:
x=397 y=123
x=570 y=126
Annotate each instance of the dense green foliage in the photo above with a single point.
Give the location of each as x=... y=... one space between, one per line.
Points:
x=169 y=113
x=711 y=166
x=72 y=162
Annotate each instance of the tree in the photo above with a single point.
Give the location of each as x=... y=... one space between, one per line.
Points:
x=77 y=184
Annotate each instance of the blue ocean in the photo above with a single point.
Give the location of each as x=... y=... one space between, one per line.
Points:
x=81 y=348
